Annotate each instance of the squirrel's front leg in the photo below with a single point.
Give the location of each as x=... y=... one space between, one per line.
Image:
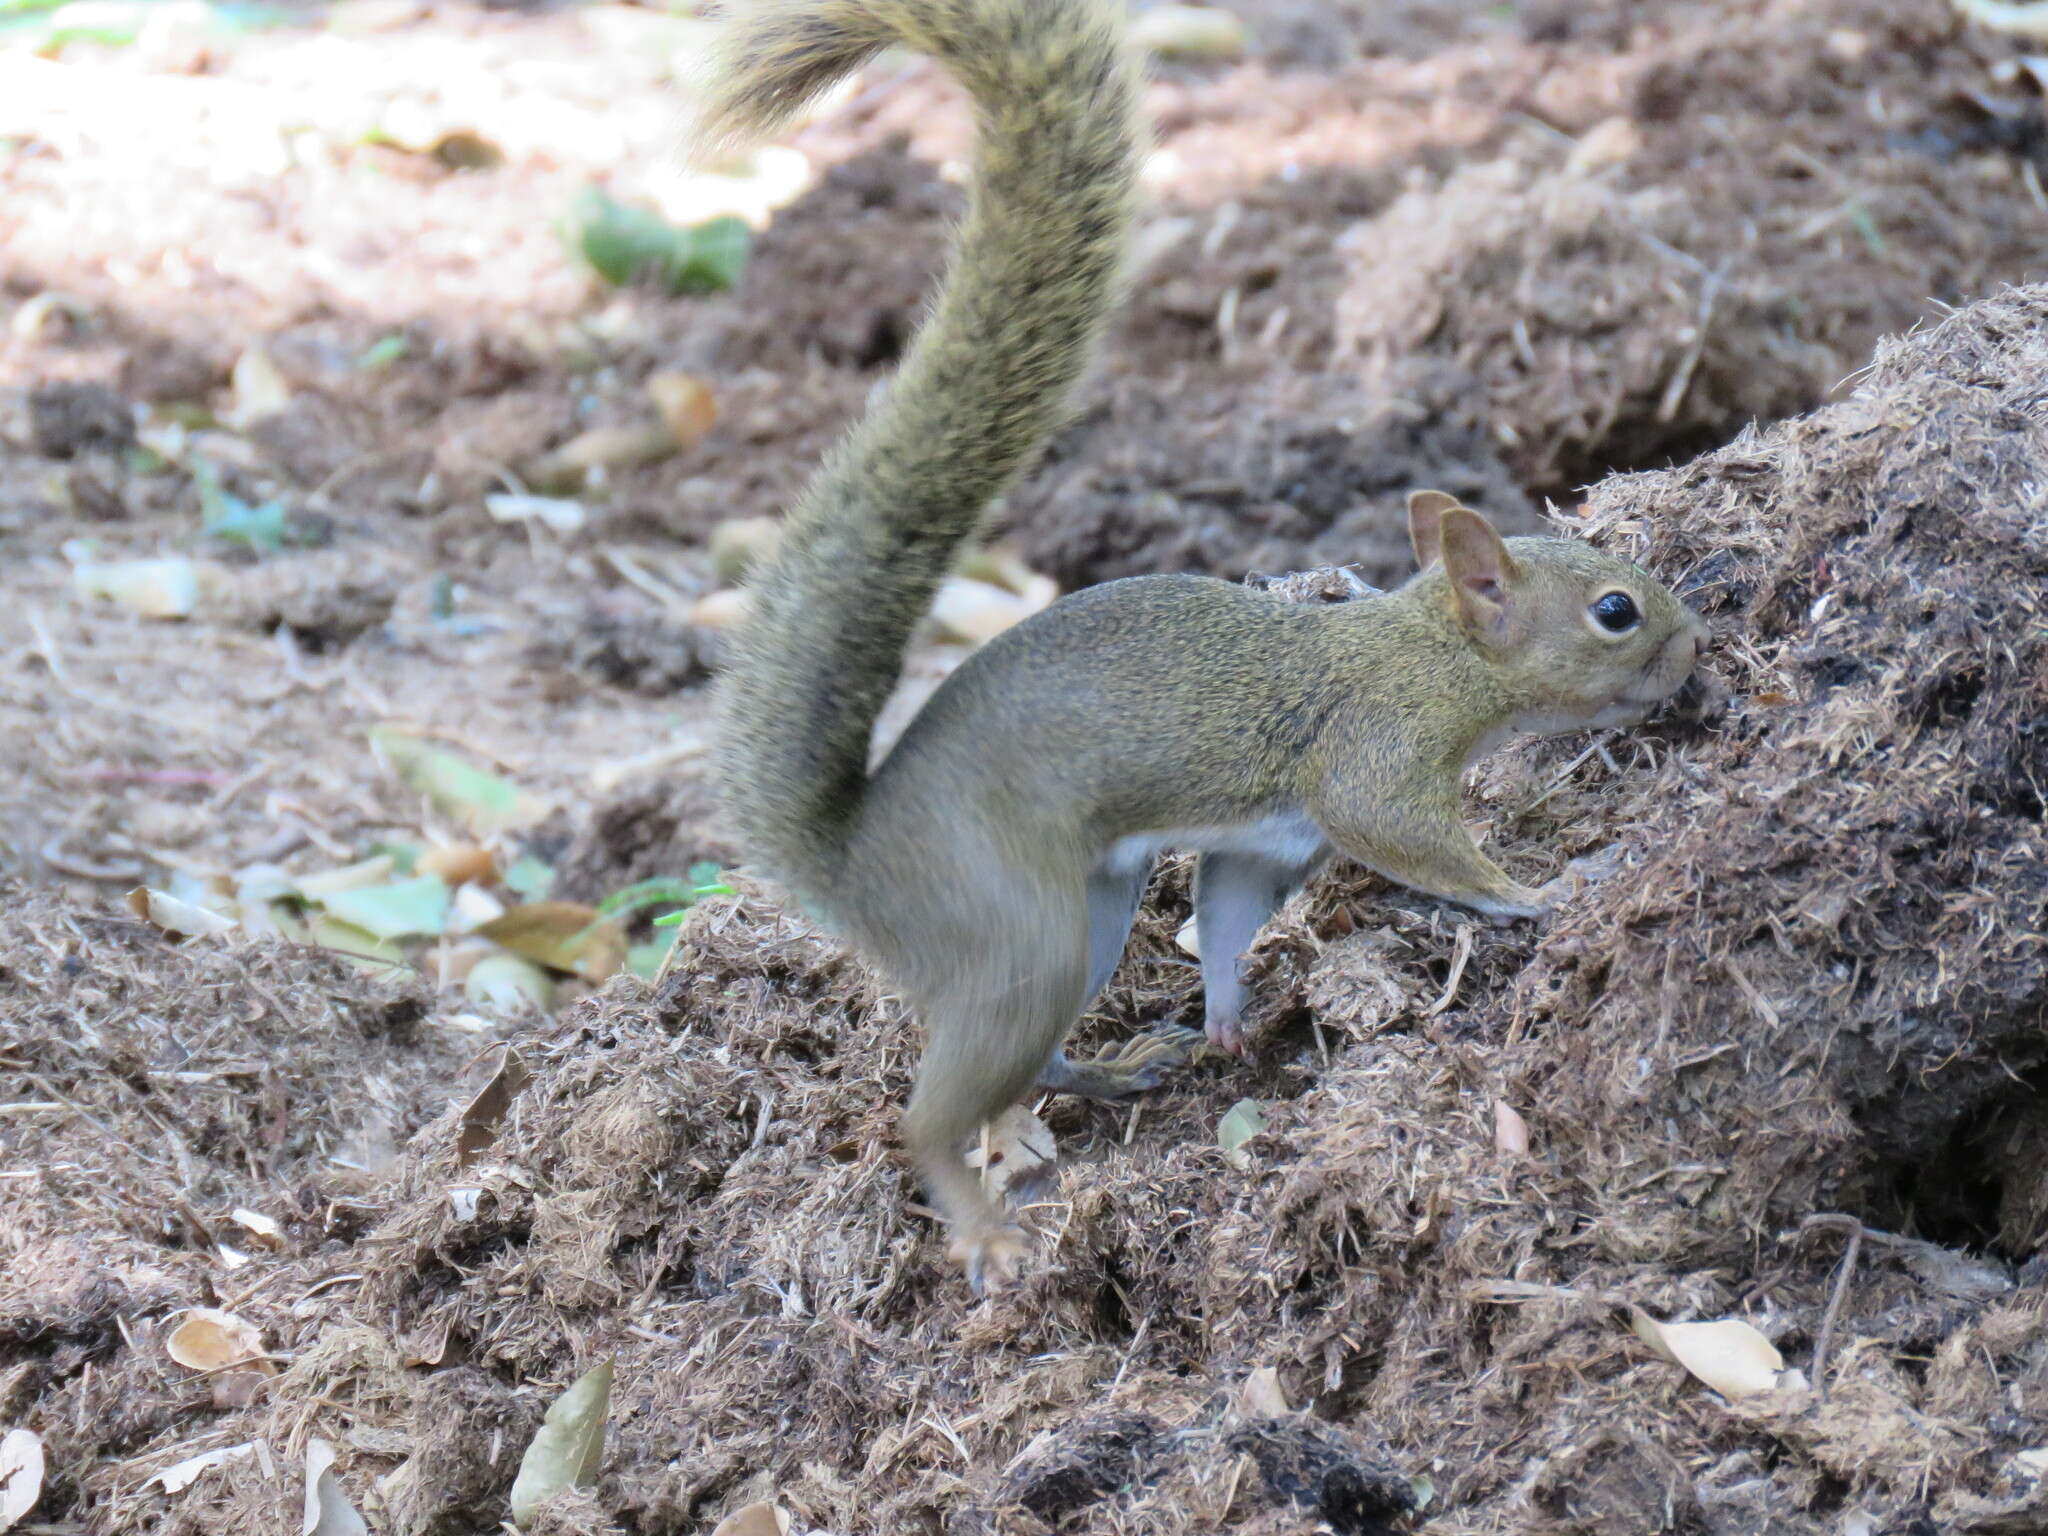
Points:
x=1421 y=843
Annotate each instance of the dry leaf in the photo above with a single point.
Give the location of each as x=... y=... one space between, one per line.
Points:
x=739 y=544
x=1510 y=1130
x=259 y=388
x=459 y=864
x=182 y=1475
x=1018 y=1144
x=688 y=407
x=509 y=984
x=568 y=1445
x=976 y=611
x=371 y=871
x=265 y=1230
x=562 y=935
x=1189 y=32
x=211 y=1340
x=564 y=516
x=21 y=1475
x=601 y=450
x=1260 y=1397
x=482 y=1115
x=328 y=1511
x=1729 y=1355
x=1240 y=1124
x=754 y=1520
x=167 y=912
x=719 y=610
x=156 y=589
x=1608 y=142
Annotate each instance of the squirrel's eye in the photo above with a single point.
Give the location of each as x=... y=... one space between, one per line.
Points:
x=1617 y=613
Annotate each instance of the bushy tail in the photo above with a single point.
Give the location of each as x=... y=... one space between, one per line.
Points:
x=1033 y=274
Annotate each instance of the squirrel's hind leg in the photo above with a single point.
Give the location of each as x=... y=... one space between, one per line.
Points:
x=986 y=1044
x=1114 y=891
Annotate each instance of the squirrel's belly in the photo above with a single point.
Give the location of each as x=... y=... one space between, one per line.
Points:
x=1285 y=837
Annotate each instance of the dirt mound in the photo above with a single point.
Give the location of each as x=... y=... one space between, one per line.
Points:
x=155 y=1095
x=1775 y=191
x=1806 y=1018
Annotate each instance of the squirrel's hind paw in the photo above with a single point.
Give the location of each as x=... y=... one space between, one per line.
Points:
x=991 y=1256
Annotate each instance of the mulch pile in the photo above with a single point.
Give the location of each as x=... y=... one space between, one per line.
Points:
x=1815 y=992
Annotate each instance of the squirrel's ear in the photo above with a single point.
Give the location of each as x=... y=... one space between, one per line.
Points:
x=1482 y=572
x=1426 y=511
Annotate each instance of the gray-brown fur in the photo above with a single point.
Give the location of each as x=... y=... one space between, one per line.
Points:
x=1034 y=273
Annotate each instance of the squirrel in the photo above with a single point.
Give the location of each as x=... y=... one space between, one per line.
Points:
x=991 y=865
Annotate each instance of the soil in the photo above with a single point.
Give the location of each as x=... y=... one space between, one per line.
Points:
x=1785 y=1067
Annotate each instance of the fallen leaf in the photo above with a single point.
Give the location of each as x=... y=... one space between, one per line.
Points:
x=688 y=407
x=741 y=544
x=1728 y=1355
x=568 y=1446
x=483 y=1114
x=211 y=1340
x=182 y=1475
x=328 y=1511
x=562 y=935
x=509 y=984
x=21 y=1475
x=1188 y=32
x=1240 y=1124
x=719 y=610
x=460 y=864
x=529 y=877
x=1608 y=142
x=601 y=451
x=162 y=910
x=330 y=932
x=754 y=1520
x=1260 y=1397
x=483 y=802
x=1510 y=1130
x=156 y=589
x=259 y=389
x=564 y=516
x=976 y=611
x=265 y=1230
x=403 y=909
x=625 y=245
x=374 y=870
x=474 y=906
x=1017 y=1145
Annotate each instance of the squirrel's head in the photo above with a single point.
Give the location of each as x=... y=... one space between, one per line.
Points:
x=1577 y=636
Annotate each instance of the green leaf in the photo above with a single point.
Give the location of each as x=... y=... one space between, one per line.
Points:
x=383 y=352
x=645 y=960
x=568 y=1446
x=529 y=877
x=408 y=908
x=226 y=516
x=648 y=893
x=483 y=802
x=624 y=244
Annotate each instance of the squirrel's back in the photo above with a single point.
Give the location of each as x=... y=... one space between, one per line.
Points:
x=1034 y=273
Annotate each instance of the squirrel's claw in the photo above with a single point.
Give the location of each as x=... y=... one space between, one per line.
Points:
x=991 y=1257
